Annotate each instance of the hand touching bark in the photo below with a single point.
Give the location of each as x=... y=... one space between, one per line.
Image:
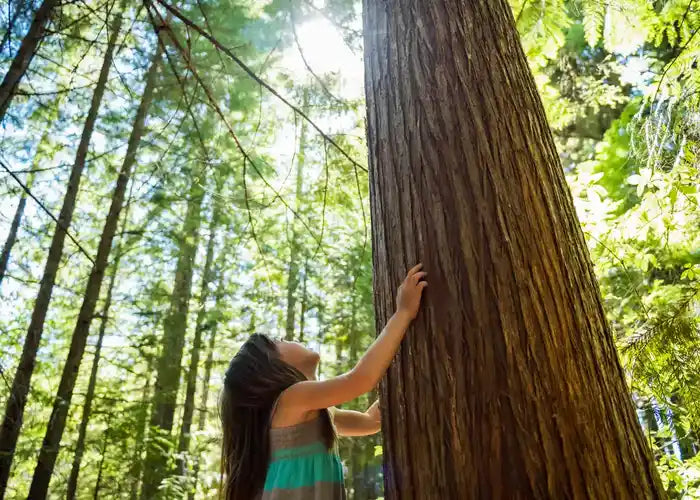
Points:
x=410 y=292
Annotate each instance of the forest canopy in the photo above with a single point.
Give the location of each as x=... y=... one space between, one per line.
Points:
x=210 y=158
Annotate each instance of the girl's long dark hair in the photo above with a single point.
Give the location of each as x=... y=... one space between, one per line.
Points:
x=254 y=380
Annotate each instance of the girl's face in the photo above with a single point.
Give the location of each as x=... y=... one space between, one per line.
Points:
x=299 y=356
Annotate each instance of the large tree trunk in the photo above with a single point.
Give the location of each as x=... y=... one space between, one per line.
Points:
x=208 y=363
x=295 y=246
x=508 y=384
x=24 y=56
x=14 y=229
x=17 y=399
x=57 y=422
x=170 y=360
x=200 y=326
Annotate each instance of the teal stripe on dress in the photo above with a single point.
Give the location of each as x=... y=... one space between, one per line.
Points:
x=298 y=451
x=307 y=470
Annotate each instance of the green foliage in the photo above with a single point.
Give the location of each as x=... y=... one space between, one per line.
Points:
x=593 y=20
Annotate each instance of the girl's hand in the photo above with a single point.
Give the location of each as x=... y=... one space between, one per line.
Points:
x=410 y=292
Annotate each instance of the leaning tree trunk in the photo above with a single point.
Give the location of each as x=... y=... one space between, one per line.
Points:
x=19 y=212
x=14 y=229
x=295 y=247
x=57 y=422
x=17 y=399
x=24 y=56
x=508 y=384
x=173 y=343
x=92 y=381
x=200 y=326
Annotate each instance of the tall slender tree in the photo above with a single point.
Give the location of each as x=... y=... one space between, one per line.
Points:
x=103 y=455
x=208 y=363
x=19 y=211
x=174 y=328
x=25 y=54
x=54 y=431
x=200 y=327
x=92 y=381
x=295 y=244
x=14 y=229
x=508 y=384
x=17 y=399
x=136 y=469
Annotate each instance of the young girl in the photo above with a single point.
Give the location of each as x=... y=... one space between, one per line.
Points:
x=278 y=421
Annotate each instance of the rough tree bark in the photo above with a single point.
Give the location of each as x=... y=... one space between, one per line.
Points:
x=295 y=247
x=17 y=399
x=57 y=421
x=24 y=56
x=508 y=384
x=200 y=326
x=173 y=343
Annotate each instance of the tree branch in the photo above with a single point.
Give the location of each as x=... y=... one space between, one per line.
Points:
x=65 y=229
x=259 y=80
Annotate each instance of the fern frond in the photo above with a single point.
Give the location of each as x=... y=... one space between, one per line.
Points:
x=593 y=20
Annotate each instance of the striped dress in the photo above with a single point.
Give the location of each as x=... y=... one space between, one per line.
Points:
x=301 y=466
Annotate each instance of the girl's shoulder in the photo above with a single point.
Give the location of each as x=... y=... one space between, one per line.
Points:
x=283 y=416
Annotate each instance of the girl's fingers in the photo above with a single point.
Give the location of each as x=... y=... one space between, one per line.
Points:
x=414 y=269
x=416 y=277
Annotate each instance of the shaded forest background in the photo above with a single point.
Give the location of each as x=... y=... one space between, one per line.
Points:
x=238 y=129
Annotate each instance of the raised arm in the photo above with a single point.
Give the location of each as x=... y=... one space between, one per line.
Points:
x=316 y=395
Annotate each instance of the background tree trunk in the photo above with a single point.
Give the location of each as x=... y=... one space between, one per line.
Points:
x=508 y=383
x=208 y=363
x=14 y=410
x=103 y=454
x=57 y=422
x=90 y=394
x=136 y=468
x=92 y=382
x=174 y=329
x=293 y=269
x=24 y=56
x=200 y=327
x=14 y=229
x=19 y=212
